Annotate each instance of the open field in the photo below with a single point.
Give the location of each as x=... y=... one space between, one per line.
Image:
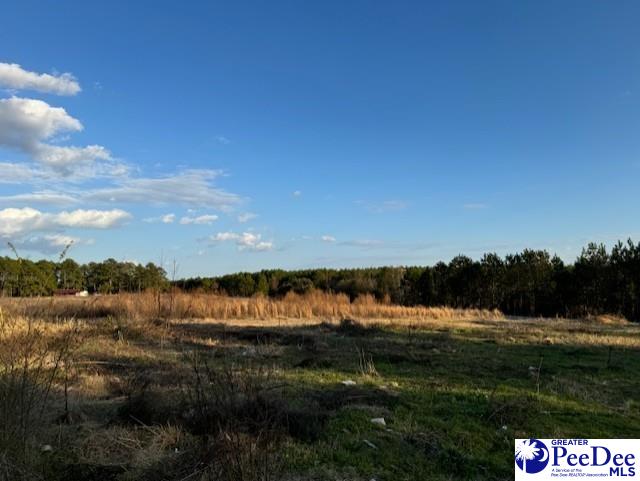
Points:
x=178 y=387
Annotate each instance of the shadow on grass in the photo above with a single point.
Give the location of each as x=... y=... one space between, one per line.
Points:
x=452 y=402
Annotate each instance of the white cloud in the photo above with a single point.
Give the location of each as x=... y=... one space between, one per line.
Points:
x=246 y=217
x=27 y=120
x=225 y=236
x=191 y=187
x=60 y=240
x=200 y=220
x=92 y=219
x=221 y=139
x=64 y=158
x=328 y=238
x=11 y=173
x=17 y=222
x=164 y=219
x=13 y=76
x=43 y=197
x=49 y=243
x=26 y=125
x=297 y=193
x=244 y=241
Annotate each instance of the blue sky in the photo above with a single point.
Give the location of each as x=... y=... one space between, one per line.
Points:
x=247 y=135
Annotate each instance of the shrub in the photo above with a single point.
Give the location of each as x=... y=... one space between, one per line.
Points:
x=32 y=357
x=240 y=427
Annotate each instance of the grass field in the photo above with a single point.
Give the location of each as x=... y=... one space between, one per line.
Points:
x=257 y=397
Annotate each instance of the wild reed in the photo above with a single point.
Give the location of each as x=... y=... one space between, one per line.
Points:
x=150 y=305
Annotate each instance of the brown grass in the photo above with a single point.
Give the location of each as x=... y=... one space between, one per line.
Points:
x=609 y=319
x=33 y=359
x=315 y=305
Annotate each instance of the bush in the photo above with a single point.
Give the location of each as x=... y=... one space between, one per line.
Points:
x=33 y=356
x=240 y=427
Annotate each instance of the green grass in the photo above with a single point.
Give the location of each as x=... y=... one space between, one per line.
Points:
x=454 y=394
x=461 y=400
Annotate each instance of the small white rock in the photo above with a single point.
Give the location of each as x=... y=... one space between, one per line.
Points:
x=370 y=444
x=46 y=448
x=379 y=421
x=348 y=382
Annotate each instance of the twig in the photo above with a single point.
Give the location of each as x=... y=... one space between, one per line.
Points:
x=538 y=376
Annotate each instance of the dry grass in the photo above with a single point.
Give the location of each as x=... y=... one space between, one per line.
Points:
x=128 y=363
x=315 y=305
x=609 y=319
x=34 y=358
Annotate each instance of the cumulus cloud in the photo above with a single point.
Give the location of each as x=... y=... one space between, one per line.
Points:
x=191 y=187
x=245 y=241
x=328 y=238
x=297 y=193
x=93 y=219
x=25 y=121
x=199 y=220
x=27 y=124
x=246 y=217
x=13 y=76
x=17 y=222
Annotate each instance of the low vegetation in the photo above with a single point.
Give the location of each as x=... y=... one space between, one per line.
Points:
x=156 y=305
x=200 y=387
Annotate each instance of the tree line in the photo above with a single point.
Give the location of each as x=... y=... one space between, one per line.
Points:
x=531 y=283
x=23 y=277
